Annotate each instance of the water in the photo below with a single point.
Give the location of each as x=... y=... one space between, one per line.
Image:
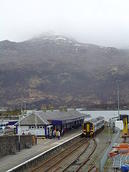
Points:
x=107 y=114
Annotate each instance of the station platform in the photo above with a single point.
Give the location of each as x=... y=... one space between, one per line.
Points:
x=10 y=161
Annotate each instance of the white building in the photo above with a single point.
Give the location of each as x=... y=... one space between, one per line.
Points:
x=34 y=124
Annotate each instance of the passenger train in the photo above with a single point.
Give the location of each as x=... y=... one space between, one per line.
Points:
x=92 y=126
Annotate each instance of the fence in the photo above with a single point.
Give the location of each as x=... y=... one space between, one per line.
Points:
x=105 y=156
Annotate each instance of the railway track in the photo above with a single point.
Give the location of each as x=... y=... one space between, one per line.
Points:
x=52 y=164
x=77 y=167
x=93 y=167
x=88 y=158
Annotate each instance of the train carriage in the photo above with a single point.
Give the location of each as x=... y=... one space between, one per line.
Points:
x=92 y=126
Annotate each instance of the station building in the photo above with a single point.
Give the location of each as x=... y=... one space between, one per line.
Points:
x=43 y=123
x=33 y=123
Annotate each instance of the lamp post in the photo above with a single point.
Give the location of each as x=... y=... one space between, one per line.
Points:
x=24 y=107
x=19 y=131
x=19 y=134
x=118 y=98
x=35 y=125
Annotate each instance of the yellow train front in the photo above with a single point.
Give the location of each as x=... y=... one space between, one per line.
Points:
x=88 y=129
x=92 y=126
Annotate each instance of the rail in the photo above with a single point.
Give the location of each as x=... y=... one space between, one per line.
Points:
x=52 y=164
x=27 y=164
x=88 y=158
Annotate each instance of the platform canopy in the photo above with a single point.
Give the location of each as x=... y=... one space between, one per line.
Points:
x=62 y=117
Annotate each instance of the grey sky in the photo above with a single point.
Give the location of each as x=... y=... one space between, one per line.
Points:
x=103 y=22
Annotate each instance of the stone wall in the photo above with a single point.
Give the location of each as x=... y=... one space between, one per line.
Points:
x=10 y=144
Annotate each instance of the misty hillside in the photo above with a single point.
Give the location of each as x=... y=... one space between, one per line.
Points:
x=57 y=70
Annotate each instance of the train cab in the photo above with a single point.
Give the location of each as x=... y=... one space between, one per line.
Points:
x=92 y=126
x=88 y=129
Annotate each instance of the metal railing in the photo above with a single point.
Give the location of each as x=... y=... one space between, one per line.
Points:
x=105 y=156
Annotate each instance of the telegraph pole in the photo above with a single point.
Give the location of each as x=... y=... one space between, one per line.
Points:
x=35 y=125
x=19 y=130
x=118 y=98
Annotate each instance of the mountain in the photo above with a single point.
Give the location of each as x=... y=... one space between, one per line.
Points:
x=57 y=70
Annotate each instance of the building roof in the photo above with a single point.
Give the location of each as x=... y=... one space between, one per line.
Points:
x=62 y=115
x=42 y=118
x=34 y=119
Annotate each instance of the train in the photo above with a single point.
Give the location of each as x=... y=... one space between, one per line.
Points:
x=92 y=126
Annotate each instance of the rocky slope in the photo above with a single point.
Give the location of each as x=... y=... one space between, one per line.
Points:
x=53 y=69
